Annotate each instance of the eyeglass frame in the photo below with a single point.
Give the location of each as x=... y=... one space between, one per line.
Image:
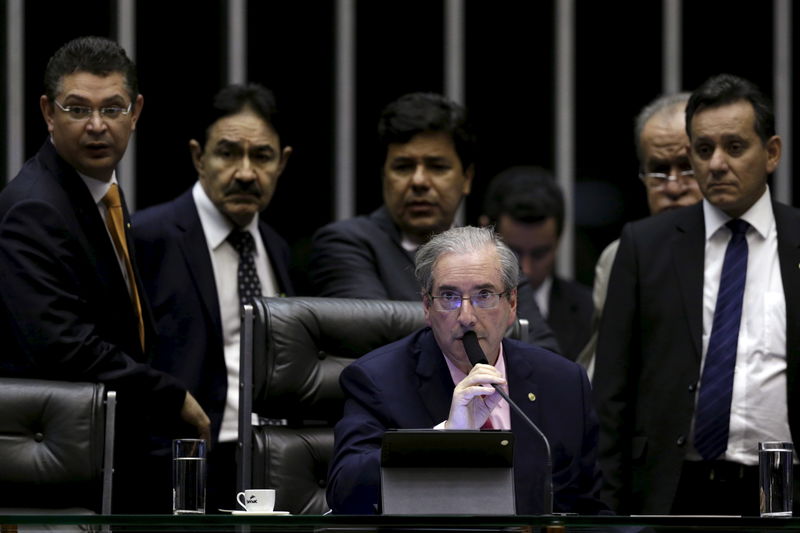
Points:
x=665 y=178
x=123 y=111
x=469 y=297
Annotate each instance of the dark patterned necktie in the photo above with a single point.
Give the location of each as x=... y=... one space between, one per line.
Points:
x=249 y=285
x=716 y=385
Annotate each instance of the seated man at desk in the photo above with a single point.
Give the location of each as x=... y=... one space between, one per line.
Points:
x=469 y=283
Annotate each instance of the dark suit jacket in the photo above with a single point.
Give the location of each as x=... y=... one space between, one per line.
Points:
x=570 y=315
x=179 y=279
x=363 y=257
x=649 y=352
x=407 y=384
x=65 y=310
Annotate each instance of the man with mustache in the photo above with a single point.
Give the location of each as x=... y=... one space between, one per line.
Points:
x=72 y=305
x=700 y=336
x=207 y=252
x=428 y=167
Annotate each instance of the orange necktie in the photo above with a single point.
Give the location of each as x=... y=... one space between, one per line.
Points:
x=115 y=224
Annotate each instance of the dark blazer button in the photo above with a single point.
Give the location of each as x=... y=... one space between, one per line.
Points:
x=692 y=387
x=681 y=441
x=38 y=437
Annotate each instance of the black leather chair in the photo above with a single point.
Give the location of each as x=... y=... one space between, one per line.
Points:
x=57 y=447
x=292 y=352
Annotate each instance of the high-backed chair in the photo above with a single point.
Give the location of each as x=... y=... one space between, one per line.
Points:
x=292 y=352
x=57 y=445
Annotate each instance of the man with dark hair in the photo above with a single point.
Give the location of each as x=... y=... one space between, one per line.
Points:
x=72 y=306
x=526 y=207
x=468 y=280
x=664 y=170
x=428 y=168
x=700 y=328
x=206 y=253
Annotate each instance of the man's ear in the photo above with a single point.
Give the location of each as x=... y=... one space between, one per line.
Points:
x=774 y=146
x=426 y=306
x=48 y=109
x=197 y=155
x=468 y=175
x=137 y=110
x=285 y=153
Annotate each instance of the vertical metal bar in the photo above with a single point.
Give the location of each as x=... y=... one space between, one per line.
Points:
x=345 y=148
x=671 y=78
x=565 y=128
x=237 y=41
x=108 y=452
x=126 y=37
x=782 y=73
x=454 y=65
x=15 y=87
x=245 y=444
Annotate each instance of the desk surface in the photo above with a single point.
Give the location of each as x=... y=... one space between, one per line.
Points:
x=362 y=524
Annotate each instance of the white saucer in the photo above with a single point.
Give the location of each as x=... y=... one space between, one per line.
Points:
x=257 y=513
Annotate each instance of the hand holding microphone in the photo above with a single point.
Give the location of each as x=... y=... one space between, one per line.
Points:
x=474 y=397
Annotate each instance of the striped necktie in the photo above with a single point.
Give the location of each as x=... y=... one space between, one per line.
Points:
x=716 y=384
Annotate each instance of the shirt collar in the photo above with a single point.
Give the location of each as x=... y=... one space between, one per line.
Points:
x=759 y=216
x=98 y=188
x=217 y=226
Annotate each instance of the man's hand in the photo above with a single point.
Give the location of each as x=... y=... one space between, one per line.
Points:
x=192 y=413
x=474 y=398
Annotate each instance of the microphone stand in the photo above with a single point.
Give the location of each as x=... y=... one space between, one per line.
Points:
x=476 y=356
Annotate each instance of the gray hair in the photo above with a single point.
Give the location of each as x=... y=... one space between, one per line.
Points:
x=661 y=104
x=465 y=240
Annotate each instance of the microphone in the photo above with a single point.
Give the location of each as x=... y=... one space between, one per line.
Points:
x=476 y=356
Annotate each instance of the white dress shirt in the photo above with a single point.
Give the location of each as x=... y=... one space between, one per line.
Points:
x=542 y=296
x=225 y=262
x=758 y=406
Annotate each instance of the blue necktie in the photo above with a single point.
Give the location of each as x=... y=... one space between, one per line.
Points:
x=713 y=414
x=249 y=284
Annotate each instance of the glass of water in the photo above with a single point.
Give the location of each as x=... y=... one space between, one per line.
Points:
x=188 y=476
x=775 y=475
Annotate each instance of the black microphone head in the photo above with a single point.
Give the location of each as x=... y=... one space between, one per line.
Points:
x=473 y=348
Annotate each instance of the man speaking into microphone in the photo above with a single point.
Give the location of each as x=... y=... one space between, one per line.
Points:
x=468 y=281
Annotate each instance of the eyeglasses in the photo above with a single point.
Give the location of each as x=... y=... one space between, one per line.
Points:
x=450 y=300
x=658 y=180
x=82 y=112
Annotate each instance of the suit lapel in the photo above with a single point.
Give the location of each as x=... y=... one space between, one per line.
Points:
x=688 y=259
x=787 y=222
x=194 y=247
x=522 y=388
x=435 y=384
x=279 y=268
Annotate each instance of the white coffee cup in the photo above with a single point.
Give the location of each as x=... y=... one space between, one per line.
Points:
x=257 y=500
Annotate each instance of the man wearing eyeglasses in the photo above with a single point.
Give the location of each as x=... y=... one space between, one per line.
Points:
x=668 y=178
x=72 y=306
x=699 y=341
x=469 y=281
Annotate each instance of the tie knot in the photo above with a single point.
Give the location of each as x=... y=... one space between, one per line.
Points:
x=242 y=241
x=112 y=199
x=738 y=226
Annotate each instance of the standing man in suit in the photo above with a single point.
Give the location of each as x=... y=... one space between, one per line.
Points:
x=665 y=171
x=699 y=342
x=526 y=207
x=429 y=150
x=196 y=273
x=72 y=306
x=469 y=283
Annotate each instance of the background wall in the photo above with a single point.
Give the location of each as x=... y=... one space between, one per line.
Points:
x=508 y=79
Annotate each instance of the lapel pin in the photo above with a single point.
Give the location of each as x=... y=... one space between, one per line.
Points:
x=531 y=396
